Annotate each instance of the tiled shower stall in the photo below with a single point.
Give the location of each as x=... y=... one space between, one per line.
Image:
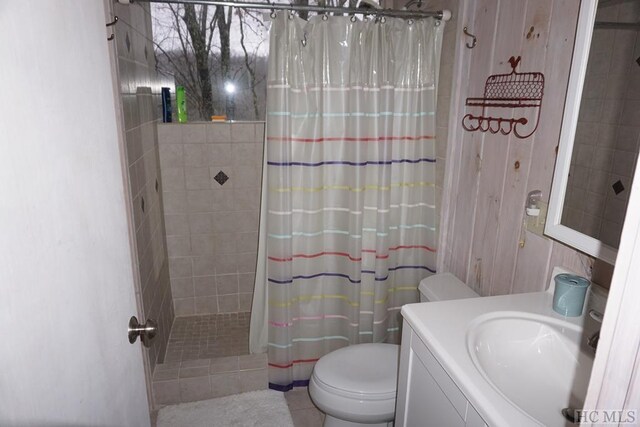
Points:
x=198 y=186
x=211 y=183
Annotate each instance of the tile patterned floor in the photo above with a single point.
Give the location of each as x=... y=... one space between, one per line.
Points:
x=303 y=412
x=208 y=336
x=220 y=336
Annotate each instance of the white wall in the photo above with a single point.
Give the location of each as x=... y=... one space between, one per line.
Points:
x=66 y=283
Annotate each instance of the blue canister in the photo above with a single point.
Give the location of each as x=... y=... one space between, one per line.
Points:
x=569 y=294
x=166 y=105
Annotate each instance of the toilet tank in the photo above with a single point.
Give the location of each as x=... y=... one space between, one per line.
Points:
x=442 y=287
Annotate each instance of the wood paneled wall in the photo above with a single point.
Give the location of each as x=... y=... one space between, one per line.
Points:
x=488 y=176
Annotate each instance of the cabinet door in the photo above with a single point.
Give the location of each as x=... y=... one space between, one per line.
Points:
x=427 y=405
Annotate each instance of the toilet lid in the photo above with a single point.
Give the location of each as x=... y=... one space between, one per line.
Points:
x=367 y=369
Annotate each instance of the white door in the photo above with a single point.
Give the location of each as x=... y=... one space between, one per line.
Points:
x=66 y=276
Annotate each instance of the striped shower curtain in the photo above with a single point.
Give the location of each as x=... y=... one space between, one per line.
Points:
x=349 y=215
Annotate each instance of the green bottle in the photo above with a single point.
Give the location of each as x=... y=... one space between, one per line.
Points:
x=181 y=101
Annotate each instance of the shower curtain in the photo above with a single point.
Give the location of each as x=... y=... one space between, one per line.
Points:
x=348 y=224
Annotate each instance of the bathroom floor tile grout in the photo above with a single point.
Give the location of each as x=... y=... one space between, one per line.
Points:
x=208 y=336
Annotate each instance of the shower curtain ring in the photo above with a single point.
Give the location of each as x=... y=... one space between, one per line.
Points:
x=383 y=19
x=353 y=18
x=304 y=40
x=324 y=17
x=410 y=22
x=291 y=14
x=273 y=11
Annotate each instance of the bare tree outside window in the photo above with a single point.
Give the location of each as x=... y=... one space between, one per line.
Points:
x=219 y=54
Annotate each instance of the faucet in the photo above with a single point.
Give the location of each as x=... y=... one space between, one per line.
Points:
x=595 y=337
x=593 y=340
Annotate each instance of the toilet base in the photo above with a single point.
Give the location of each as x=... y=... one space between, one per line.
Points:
x=330 y=421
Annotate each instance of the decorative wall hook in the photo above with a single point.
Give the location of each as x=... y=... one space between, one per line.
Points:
x=111 y=24
x=474 y=39
x=114 y=22
x=514 y=91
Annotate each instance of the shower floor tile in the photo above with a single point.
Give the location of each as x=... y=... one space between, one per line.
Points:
x=208 y=336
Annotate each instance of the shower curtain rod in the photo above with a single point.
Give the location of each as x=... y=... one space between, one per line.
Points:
x=413 y=14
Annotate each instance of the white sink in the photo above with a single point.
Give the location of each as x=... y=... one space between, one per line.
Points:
x=533 y=361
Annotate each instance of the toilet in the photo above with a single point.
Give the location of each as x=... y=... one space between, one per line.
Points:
x=356 y=385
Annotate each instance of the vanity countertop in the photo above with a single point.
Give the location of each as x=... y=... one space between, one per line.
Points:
x=443 y=327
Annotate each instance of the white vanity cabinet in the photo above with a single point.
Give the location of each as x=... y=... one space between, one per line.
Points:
x=427 y=396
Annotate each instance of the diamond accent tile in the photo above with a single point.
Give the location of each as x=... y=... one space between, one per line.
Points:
x=221 y=178
x=618 y=187
x=127 y=42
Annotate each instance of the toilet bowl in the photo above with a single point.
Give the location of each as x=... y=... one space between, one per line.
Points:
x=355 y=386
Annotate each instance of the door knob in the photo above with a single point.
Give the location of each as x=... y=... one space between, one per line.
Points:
x=146 y=331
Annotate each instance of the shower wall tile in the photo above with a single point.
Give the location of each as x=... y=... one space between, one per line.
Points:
x=227 y=284
x=212 y=229
x=193 y=389
x=204 y=286
x=183 y=287
x=171 y=155
x=219 y=133
x=184 y=306
x=194 y=133
x=193 y=380
x=140 y=97
x=228 y=303
x=166 y=392
x=245 y=282
x=244 y=301
x=253 y=380
x=225 y=384
x=206 y=304
x=180 y=267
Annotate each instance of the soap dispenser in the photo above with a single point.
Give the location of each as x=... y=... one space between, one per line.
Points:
x=533 y=198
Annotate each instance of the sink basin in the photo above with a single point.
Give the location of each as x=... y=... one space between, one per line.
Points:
x=534 y=361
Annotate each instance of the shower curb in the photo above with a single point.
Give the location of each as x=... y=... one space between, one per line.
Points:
x=194 y=380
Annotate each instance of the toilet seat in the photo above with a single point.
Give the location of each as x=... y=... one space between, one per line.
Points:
x=368 y=371
x=357 y=383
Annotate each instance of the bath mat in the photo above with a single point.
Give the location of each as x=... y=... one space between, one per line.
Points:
x=266 y=408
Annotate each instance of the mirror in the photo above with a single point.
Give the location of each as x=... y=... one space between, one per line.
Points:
x=600 y=134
